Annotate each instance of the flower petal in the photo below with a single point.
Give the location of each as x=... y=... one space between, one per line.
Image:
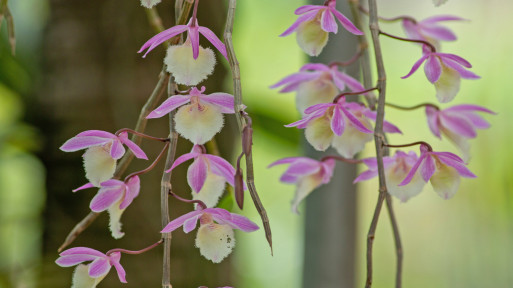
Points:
x=432 y=119
x=99 y=267
x=211 y=36
x=222 y=168
x=162 y=37
x=223 y=101
x=181 y=159
x=416 y=66
x=303 y=18
x=106 y=198
x=433 y=69
x=197 y=174
x=174 y=224
x=346 y=23
x=138 y=152
x=328 y=23
x=169 y=105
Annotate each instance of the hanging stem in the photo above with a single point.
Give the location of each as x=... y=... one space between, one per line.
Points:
x=409 y=145
x=141 y=135
x=413 y=107
x=199 y=202
x=149 y=168
x=136 y=251
x=431 y=46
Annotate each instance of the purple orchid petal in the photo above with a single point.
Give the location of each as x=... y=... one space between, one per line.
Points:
x=222 y=168
x=469 y=108
x=162 y=37
x=71 y=260
x=190 y=224
x=455 y=58
x=346 y=23
x=97 y=133
x=438 y=18
x=181 y=159
x=328 y=23
x=106 y=198
x=476 y=120
x=353 y=84
x=316 y=67
x=242 y=223
x=211 y=36
x=432 y=119
x=114 y=258
x=117 y=150
x=337 y=122
x=287 y=160
x=197 y=174
x=138 y=152
x=306 y=8
x=301 y=124
x=411 y=29
x=366 y=175
x=357 y=124
x=464 y=73
x=78 y=143
x=416 y=66
x=413 y=170
x=318 y=107
x=169 y=105
x=433 y=69
x=458 y=165
x=296 y=78
x=303 y=167
x=133 y=186
x=458 y=125
x=303 y=18
x=428 y=168
x=99 y=267
x=291 y=179
x=85 y=186
x=174 y=224
x=82 y=250
x=438 y=32
x=449 y=155
x=224 y=101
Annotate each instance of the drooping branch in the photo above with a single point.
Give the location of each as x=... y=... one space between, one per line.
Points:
x=243 y=125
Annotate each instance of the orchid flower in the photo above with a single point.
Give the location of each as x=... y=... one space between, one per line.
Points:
x=430 y=30
x=442 y=169
x=200 y=120
x=114 y=196
x=307 y=174
x=102 y=151
x=444 y=71
x=189 y=63
x=214 y=239
x=206 y=175
x=88 y=276
x=149 y=3
x=314 y=24
x=396 y=168
x=458 y=123
x=344 y=125
x=317 y=83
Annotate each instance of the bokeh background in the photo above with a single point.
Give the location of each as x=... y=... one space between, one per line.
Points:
x=76 y=68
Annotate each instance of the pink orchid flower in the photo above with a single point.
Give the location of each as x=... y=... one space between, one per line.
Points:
x=317 y=83
x=444 y=71
x=344 y=125
x=442 y=169
x=91 y=274
x=307 y=174
x=189 y=63
x=114 y=196
x=458 y=123
x=202 y=118
x=314 y=24
x=430 y=30
x=206 y=175
x=102 y=151
x=214 y=239
x=396 y=169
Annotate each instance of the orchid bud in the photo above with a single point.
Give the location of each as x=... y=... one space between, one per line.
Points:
x=239 y=188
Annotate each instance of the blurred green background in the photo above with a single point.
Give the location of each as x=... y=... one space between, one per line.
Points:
x=463 y=242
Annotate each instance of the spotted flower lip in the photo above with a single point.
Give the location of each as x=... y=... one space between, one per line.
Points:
x=328 y=13
x=307 y=174
x=430 y=29
x=93 y=138
x=221 y=216
x=100 y=265
x=193 y=31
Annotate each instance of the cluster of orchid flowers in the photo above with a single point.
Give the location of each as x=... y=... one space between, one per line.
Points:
x=330 y=120
x=198 y=117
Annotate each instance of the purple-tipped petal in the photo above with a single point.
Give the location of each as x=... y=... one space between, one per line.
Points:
x=318 y=107
x=366 y=175
x=197 y=174
x=224 y=101
x=337 y=122
x=138 y=152
x=306 y=8
x=328 y=23
x=114 y=258
x=416 y=66
x=432 y=119
x=357 y=124
x=303 y=167
x=287 y=160
x=433 y=69
x=428 y=168
x=438 y=32
x=162 y=37
x=455 y=58
x=97 y=133
x=456 y=164
x=99 y=267
x=194 y=38
x=315 y=67
x=133 y=186
x=303 y=18
x=82 y=250
x=190 y=224
x=222 y=168
x=346 y=23
x=469 y=108
x=72 y=260
x=106 y=198
x=181 y=159
x=353 y=84
x=464 y=73
x=78 y=143
x=85 y=186
x=413 y=170
x=458 y=125
x=242 y=223
x=169 y=105
x=438 y=18
x=211 y=36
x=173 y=225
x=117 y=150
